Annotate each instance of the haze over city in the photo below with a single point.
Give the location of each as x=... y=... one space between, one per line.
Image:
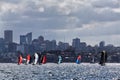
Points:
x=90 y=20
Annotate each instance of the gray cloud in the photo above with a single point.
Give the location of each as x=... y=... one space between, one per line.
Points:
x=106 y=3
x=82 y=18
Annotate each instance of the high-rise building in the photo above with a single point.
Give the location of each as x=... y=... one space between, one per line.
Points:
x=102 y=44
x=41 y=39
x=23 y=39
x=62 y=46
x=12 y=47
x=53 y=45
x=29 y=38
x=8 y=36
x=26 y=39
x=1 y=40
x=2 y=43
x=22 y=48
x=76 y=43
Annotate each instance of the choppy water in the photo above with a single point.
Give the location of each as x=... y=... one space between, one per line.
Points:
x=64 y=71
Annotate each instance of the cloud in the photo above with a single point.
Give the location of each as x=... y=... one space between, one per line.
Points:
x=82 y=18
x=60 y=11
x=106 y=3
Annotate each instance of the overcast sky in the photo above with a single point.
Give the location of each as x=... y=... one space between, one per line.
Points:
x=90 y=20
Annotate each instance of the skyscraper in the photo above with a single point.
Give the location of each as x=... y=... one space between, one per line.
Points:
x=23 y=39
x=102 y=44
x=53 y=45
x=76 y=43
x=26 y=39
x=29 y=38
x=8 y=36
x=2 y=44
x=41 y=39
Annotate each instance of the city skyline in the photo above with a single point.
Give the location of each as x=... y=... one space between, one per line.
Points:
x=90 y=20
x=31 y=45
x=28 y=39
